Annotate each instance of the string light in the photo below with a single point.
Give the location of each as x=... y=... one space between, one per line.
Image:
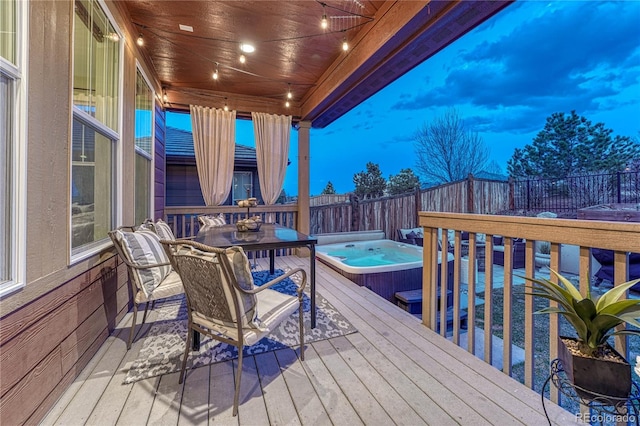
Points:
x=324 y=23
x=226 y=107
x=289 y=94
x=140 y=40
x=215 y=73
x=345 y=45
x=165 y=98
x=287 y=104
x=247 y=48
x=243 y=59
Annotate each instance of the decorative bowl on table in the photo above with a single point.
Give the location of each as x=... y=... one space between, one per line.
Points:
x=251 y=224
x=249 y=202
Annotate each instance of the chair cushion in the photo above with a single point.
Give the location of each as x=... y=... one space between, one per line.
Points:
x=404 y=232
x=170 y=286
x=164 y=230
x=208 y=220
x=142 y=248
x=242 y=272
x=274 y=307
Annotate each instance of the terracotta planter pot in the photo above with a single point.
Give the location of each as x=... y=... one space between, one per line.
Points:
x=595 y=377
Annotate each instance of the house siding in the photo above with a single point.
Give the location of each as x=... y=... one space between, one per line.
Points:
x=51 y=328
x=183 y=185
x=160 y=164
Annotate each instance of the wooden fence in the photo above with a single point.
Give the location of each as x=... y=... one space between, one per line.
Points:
x=387 y=213
x=401 y=211
x=323 y=200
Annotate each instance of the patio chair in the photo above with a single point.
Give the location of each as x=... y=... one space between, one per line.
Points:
x=148 y=267
x=223 y=303
x=518 y=255
x=409 y=236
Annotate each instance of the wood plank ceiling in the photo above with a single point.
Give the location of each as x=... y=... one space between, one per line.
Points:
x=292 y=51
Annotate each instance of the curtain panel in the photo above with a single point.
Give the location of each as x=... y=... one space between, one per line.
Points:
x=272 y=151
x=214 y=136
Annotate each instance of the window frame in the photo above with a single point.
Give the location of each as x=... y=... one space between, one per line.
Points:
x=16 y=73
x=243 y=190
x=84 y=252
x=138 y=151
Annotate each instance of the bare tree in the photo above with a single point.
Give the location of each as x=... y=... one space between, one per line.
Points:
x=446 y=151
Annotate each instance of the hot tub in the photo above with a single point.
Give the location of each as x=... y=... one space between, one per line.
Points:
x=384 y=266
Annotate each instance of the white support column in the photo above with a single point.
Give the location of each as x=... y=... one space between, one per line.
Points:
x=303 y=224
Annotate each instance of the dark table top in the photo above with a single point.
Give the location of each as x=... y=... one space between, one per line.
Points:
x=270 y=236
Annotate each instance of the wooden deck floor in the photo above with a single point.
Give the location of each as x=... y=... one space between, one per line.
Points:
x=393 y=371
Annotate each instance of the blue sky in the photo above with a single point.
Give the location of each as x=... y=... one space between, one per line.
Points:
x=504 y=78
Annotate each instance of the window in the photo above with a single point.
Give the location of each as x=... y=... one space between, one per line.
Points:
x=95 y=135
x=242 y=185
x=144 y=149
x=8 y=23
x=6 y=185
x=13 y=29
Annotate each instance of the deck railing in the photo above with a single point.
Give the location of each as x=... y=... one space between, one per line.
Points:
x=184 y=220
x=561 y=233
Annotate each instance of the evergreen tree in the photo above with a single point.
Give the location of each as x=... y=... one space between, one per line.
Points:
x=329 y=189
x=570 y=145
x=403 y=182
x=370 y=184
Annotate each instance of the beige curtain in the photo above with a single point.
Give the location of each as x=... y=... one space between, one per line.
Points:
x=214 y=136
x=272 y=151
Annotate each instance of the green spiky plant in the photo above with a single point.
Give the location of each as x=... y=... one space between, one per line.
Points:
x=594 y=319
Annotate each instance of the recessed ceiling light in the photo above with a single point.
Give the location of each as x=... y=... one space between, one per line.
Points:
x=247 y=48
x=186 y=28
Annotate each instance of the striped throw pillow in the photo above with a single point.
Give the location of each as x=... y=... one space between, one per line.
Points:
x=164 y=230
x=207 y=220
x=143 y=248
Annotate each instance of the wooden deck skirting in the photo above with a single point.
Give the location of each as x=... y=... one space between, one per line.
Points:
x=617 y=236
x=392 y=371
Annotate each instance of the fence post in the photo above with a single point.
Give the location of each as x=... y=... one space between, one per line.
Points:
x=512 y=194
x=470 y=205
x=619 y=185
x=418 y=205
x=528 y=195
x=355 y=212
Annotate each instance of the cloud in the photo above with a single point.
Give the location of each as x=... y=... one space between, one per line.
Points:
x=570 y=56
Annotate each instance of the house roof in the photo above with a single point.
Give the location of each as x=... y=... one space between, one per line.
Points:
x=179 y=146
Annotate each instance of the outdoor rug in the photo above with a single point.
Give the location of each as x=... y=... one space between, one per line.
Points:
x=163 y=346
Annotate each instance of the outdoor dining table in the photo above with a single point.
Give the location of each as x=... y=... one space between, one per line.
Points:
x=270 y=237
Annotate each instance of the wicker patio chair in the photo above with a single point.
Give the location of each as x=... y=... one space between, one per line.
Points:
x=223 y=303
x=150 y=274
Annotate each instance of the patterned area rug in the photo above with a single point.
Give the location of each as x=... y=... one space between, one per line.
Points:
x=163 y=345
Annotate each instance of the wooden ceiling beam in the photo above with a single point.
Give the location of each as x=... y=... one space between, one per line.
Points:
x=180 y=98
x=391 y=19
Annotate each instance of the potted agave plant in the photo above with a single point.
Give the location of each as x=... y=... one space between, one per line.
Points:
x=591 y=364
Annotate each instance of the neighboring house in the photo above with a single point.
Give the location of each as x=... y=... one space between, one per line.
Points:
x=183 y=185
